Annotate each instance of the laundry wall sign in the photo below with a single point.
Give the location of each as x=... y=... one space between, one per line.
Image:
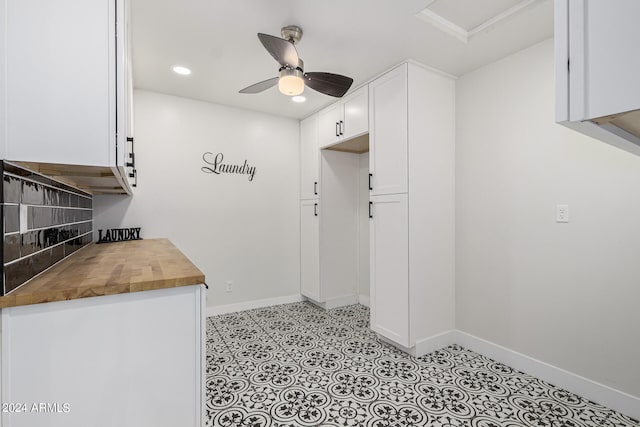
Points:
x=215 y=163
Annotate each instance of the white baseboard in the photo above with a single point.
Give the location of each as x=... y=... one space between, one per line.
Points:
x=340 y=301
x=433 y=343
x=600 y=393
x=335 y=302
x=364 y=300
x=249 y=305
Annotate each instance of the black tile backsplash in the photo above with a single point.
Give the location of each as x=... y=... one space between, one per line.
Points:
x=58 y=220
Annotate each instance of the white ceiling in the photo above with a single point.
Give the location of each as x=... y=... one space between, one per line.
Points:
x=358 y=38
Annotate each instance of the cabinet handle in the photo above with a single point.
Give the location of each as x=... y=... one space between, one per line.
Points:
x=315 y=209
x=341 y=127
x=370 y=213
x=134 y=175
x=370 y=176
x=132 y=154
x=132 y=163
x=337 y=129
x=315 y=188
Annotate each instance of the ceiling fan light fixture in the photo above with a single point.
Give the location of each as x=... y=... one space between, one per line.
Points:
x=291 y=81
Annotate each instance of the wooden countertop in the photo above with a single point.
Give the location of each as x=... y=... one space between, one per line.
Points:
x=109 y=268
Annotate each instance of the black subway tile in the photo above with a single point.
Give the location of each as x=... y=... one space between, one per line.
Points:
x=86 y=202
x=32 y=193
x=11 y=250
x=41 y=261
x=57 y=253
x=31 y=242
x=17 y=273
x=11 y=218
x=12 y=189
x=64 y=198
x=74 y=200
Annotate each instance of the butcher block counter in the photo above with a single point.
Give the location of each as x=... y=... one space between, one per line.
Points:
x=134 y=356
x=107 y=269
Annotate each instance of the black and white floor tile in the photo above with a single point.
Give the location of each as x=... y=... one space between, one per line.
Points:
x=297 y=365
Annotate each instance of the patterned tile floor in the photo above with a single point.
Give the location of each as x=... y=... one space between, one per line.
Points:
x=299 y=365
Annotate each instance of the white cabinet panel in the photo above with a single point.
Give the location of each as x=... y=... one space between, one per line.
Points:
x=597 y=68
x=329 y=125
x=389 y=267
x=388 y=132
x=355 y=109
x=68 y=85
x=310 y=250
x=60 y=81
x=309 y=158
x=345 y=119
x=125 y=360
x=608 y=34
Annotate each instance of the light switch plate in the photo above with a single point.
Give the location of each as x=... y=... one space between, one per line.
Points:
x=562 y=213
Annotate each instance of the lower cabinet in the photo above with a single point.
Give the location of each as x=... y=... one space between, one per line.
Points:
x=126 y=360
x=310 y=249
x=389 y=266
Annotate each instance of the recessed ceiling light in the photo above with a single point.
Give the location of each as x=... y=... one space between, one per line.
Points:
x=298 y=98
x=183 y=71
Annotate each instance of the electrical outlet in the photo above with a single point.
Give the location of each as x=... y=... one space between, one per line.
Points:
x=562 y=213
x=229 y=286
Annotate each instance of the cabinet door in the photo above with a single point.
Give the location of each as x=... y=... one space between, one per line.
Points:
x=310 y=250
x=389 y=267
x=388 y=132
x=61 y=84
x=355 y=109
x=604 y=67
x=106 y=357
x=328 y=125
x=309 y=158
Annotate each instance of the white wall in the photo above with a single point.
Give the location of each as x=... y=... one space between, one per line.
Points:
x=231 y=228
x=566 y=294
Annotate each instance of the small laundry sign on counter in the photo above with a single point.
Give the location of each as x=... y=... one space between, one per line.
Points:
x=216 y=165
x=119 y=234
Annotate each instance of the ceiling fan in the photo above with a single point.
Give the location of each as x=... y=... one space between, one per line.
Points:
x=292 y=79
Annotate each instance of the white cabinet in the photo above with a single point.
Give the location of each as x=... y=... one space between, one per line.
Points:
x=346 y=119
x=309 y=158
x=127 y=360
x=597 y=69
x=412 y=210
x=67 y=82
x=310 y=250
x=388 y=132
x=389 y=266
x=328 y=234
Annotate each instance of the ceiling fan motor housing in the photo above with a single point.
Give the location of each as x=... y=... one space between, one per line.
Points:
x=293 y=33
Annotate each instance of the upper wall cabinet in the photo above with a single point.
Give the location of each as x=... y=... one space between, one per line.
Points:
x=345 y=119
x=388 y=134
x=597 y=69
x=68 y=90
x=309 y=158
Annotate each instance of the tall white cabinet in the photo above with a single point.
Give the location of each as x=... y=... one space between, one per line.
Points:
x=388 y=156
x=412 y=138
x=310 y=249
x=328 y=217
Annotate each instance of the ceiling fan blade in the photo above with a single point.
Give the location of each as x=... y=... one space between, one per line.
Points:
x=259 y=87
x=282 y=50
x=328 y=83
